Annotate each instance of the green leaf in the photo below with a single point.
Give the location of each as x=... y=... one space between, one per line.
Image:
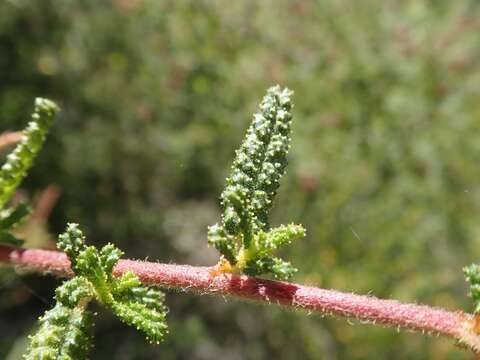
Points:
x=89 y=265
x=244 y=237
x=269 y=264
x=472 y=275
x=7 y=238
x=64 y=333
x=11 y=218
x=133 y=303
x=267 y=242
x=21 y=159
x=72 y=242
x=129 y=287
x=218 y=237
x=143 y=317
x=109 y=256
x=140 y=306
x=74 y=291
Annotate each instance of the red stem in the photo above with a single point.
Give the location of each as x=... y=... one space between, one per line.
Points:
x=203 y=280
x=10 y=138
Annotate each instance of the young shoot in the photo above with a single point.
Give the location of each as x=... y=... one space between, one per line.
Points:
x=63 y=331
x=18 y=162
x=244 y=237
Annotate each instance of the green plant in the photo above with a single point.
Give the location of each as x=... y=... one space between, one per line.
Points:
x=244 y=239
x=17 y=164
x=472 y=275
x=63 y=331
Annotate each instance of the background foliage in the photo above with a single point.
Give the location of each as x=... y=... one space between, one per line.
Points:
x=156 y=96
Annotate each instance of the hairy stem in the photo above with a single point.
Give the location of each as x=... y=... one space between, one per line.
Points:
x=457 y=325
x=9 y=138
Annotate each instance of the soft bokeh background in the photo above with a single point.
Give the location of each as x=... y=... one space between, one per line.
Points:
x=384 y=169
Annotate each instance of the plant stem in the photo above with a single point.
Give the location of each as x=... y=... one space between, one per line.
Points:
x=203 y=280
x=9 y=138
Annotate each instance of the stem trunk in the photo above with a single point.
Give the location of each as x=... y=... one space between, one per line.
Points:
x=204 y=280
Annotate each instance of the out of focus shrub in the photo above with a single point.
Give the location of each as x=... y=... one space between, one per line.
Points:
x=156 y=95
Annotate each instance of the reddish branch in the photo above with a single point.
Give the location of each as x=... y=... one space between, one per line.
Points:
x=203 y=280
x=10 y=138
x=45 y=203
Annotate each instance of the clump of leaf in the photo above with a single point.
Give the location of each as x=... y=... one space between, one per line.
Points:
x=64 y=333
x=244 y=237
x=472 y=275
x=133 y=303
x=17 y=164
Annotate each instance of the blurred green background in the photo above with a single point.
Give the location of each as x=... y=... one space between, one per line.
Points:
x=156 y=95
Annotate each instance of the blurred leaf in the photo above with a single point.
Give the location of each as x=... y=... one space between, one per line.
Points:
x=15 y=216
x=8 y=238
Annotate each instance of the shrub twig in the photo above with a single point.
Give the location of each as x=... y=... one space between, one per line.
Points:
x=10 y=138
x=204 y=280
